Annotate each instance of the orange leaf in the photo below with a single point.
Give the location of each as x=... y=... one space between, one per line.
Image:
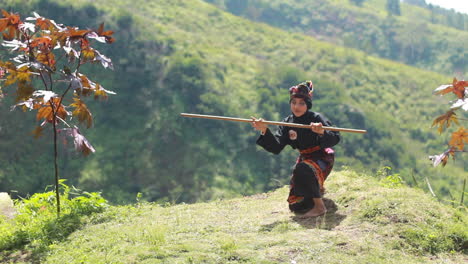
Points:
x=445 y=120
x=47 y=58
x=459 y=138
x=37 y=132
x=45 y=24
x=46 y=113
x=5 y=13
x=443 y=89
x=106 y=34
x=43 y=43
x=81 y=112
x=10 y=22
x=459 y=88
x=3 y=24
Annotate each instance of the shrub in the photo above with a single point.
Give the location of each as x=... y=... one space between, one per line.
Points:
x=36 y=225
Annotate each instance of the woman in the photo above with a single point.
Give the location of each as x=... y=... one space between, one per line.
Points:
x=316 y=156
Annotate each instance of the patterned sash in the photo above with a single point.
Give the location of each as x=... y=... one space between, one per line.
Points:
x=310 y=157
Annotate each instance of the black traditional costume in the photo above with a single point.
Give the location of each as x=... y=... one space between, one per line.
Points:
x=316 y=157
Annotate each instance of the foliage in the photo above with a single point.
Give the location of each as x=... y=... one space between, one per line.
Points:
x=393 y=7
x=45 y=68
x=35 y=225
x=358 y=2
x=389 y=180
x=459 y=137
x=412 y=38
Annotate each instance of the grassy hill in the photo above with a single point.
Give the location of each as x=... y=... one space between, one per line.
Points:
x=189 y=56
x=370 y=220
x=415 y=37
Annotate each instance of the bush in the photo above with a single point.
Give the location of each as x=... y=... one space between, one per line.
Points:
x=36 y=225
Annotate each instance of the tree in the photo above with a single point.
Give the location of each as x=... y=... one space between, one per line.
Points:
x=460 y=137
x=237 y=7
x=421 y=3
x=358 y=2
x=45 y=70
x=393 y=7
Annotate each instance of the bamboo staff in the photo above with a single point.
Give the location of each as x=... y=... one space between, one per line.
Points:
x=272 y=123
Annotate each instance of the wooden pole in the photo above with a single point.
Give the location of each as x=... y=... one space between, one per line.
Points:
x=272 y=123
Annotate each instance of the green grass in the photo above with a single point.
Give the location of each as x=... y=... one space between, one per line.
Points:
x=368 y=222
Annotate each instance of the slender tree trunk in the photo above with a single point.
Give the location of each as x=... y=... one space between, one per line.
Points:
x=57 y=193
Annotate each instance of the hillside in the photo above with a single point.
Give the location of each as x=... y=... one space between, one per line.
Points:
x=369 y=221
x=416 y=37
x=189 y=56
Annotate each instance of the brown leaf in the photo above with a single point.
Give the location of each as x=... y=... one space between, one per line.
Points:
x=45 y=24
x=45 y=111
x=3 y=24
x=24 y=92
x=445 y=120
x=443 y=89
x=459 y=88
x=106 y=34
x=102 y=93
x=42 y=43
x=442 y=158
x=47 y=58
x=16 y=75
x=38 y=132
x=81 y=112
x=10 y=22
x=81 y=143
x=459 y=138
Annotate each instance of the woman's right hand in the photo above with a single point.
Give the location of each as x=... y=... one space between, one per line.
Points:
x=258 y=124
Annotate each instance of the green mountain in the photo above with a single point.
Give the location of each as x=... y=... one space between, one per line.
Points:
x=190 y=56
x=369 y=220
x=427 y=38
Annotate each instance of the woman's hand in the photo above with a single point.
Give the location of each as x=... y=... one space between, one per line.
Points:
x=258 y=124
x=317 y=128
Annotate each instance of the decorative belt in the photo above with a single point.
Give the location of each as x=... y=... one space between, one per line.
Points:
x=309 y=150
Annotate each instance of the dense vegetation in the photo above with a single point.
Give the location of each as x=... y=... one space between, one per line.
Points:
x=190 y=56
x=425 y=38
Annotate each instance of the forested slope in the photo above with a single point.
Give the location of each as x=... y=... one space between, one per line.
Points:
x=189 y=56
x=421 y=37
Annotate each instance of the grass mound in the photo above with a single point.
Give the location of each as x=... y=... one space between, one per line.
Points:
x=369 y=221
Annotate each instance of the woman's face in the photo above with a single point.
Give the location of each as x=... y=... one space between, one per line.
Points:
x=298 y=107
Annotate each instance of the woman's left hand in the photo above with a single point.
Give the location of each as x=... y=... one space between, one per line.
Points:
x=317 y=128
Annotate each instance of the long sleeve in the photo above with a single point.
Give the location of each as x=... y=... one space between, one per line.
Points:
x=329 y=138
x=274 y=143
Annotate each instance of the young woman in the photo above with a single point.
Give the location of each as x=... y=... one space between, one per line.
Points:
x=316 y=156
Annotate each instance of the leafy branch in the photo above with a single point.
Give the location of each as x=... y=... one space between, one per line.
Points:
x=35 y=47
x=459 y=137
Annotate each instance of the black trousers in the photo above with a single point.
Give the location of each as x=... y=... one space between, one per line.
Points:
x=304 y=182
